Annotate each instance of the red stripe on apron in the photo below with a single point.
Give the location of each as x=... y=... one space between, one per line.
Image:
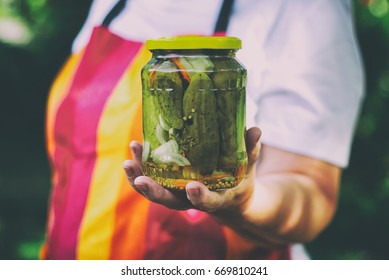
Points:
x=190 y=234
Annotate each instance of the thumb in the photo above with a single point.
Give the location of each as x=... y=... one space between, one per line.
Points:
x=136 y=149
x=253 y=145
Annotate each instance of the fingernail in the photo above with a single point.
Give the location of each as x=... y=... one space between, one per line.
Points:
x=142 y=187
x=127 y=168
x=193 y=192
x=132 y=145
x=258 y=135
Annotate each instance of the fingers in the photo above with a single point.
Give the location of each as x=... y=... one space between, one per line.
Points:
x=253 y=145
x=136 y=150
x=156 y=193
x=196 y=195
x=204 y=199
x=132 y=170
x=153 y=191
x=147 y=186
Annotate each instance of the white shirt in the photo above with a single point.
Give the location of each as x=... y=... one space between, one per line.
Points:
x=305 y=80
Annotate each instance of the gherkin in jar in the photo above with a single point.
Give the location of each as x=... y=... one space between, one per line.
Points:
x=194 y=112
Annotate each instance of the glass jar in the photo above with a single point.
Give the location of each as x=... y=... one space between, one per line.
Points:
x=194 y=112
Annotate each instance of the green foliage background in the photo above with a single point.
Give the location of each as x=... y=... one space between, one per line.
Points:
x=29 y=60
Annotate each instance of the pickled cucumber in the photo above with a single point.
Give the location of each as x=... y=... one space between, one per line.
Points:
x=150 y=121
x=169 y=92
x=201 y=133
x=225 y=82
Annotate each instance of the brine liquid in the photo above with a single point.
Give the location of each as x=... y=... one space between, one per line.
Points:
x=176 y=177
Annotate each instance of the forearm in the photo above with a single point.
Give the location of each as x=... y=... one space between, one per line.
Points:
x=286 y=198
x=283 y=208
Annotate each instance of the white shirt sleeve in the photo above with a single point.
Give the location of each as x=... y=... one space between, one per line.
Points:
x=309 y=86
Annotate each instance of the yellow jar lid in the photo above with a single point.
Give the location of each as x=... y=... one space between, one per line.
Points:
x=194 y=42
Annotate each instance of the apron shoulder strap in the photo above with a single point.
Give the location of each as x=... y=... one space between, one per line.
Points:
x=224 y=17
x=220 y=27
x=115 y=11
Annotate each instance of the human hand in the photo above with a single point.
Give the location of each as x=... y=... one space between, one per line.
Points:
x=196 y=195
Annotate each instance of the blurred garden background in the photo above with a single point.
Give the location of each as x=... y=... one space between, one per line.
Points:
x=35 y=39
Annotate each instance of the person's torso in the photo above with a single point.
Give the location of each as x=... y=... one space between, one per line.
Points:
x=94 y=111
